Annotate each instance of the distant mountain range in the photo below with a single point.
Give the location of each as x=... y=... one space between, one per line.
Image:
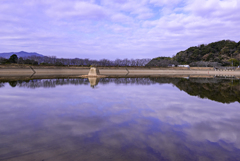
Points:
x=19 y=54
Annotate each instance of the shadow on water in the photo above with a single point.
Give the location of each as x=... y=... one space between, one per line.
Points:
x=220 y=90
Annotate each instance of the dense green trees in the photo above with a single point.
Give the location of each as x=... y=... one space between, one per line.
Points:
x=223 y=52
x=13 y=58
x=234 y=62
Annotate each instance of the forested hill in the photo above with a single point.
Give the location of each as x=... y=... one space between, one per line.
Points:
x=224 y=52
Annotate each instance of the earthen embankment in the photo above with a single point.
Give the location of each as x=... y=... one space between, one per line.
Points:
x=110 y=71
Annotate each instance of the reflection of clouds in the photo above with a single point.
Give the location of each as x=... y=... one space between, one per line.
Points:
x=1 y=84
x=216 y=131
x=116 y=122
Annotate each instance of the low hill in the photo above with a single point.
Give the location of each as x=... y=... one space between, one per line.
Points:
x=224 y=52
x=19 y=54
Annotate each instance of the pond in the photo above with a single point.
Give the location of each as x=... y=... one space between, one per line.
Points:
x=120 y=119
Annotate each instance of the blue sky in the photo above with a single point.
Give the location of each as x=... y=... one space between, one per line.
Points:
x=113 y=29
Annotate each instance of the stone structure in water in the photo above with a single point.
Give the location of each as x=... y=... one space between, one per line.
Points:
x=93 y=76
x=93 y=71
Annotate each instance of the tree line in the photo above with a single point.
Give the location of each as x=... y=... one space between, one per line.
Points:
x=221 y=53
x=53 y=60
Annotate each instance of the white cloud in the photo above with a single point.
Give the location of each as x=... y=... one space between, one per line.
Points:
x=165 y=2
x=149 y=28
x=79 y=10
x=121 y=18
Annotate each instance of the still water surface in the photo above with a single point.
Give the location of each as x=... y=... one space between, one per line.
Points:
x=120 y=119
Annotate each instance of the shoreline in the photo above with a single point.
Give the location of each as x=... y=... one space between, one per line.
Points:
x=26 y=78
x=39 y=71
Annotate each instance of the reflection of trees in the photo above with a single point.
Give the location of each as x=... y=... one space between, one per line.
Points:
x=206 y=80
x=140 y=81
x=1 y=84
x=221 y=90
x=51 y=83
x=13 y=83
x=45 y=83
x=226 y=91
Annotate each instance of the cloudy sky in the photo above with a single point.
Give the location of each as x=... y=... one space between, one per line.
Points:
x=113 y=29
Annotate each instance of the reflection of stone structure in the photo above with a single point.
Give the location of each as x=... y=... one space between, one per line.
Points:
x=93 y=71
x=93 y=81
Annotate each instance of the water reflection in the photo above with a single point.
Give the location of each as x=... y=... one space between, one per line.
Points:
x=124 y=119
x=220 y=90
x=13 y=83
x=93 y=81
